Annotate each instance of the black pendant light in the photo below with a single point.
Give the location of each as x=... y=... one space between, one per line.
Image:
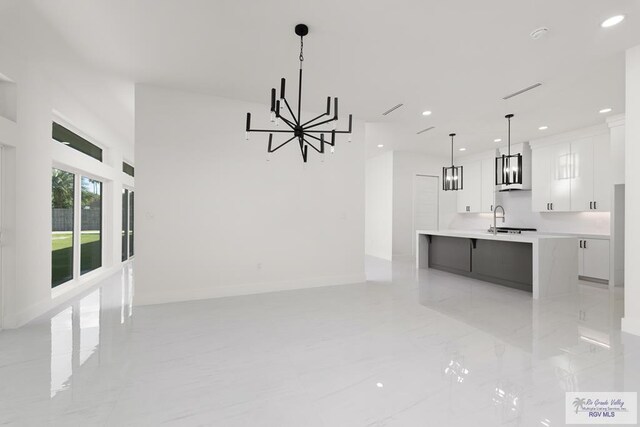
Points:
x=452 y=176
x=305 y=132
x=509 y=167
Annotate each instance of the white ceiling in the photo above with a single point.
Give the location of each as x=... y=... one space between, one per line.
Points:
x=457 y=58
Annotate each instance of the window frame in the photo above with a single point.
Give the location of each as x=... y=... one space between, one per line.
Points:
x=78 y=278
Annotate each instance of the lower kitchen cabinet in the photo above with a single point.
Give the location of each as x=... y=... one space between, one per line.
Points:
x=593 y=259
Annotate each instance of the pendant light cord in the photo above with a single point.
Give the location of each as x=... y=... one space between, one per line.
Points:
x=509 y=137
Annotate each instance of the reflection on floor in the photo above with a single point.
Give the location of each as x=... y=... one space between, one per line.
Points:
x=408 y=348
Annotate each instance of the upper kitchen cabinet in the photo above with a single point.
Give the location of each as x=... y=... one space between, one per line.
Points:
x=470 y=198
x=551 y=178
x=524 y=149
x=479 y=187
x=591 y=174
x=488 y=166
x=572 y=172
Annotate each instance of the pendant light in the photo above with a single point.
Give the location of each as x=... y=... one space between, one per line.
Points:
x=509 y=167
x=452 y=176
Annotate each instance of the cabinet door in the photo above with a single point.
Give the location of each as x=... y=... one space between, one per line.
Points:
x=560 y=177
x=580 y=258
x=602 y=182
x=540 y=179
x=596 y=259
x=462 y=195
x=469 y=198
x=582 y=175
x=488 y=184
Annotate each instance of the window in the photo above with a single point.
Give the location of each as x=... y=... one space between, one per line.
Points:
x=76 y=226
x=127 y=224
x=131 y=224
x=127 y=168
x=66 y=137
x=91 y=225
x=62 y=202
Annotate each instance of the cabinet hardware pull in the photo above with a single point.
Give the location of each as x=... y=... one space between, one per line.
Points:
x=547 y=206
x=580 y=244
x=551 y=205
x=595 y=205
x=585 y=244
x=590 y=205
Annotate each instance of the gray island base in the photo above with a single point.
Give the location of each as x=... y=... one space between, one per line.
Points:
x=545 y=265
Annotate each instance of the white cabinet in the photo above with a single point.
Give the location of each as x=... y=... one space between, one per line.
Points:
x=602 y=182
x=593 y=259
x=591 y=174
x=488 y=184
x=477 y=194
x=551 y=178
x=470 y=198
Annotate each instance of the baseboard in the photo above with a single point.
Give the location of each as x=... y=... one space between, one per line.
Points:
x=201 y=293
x=631 y=325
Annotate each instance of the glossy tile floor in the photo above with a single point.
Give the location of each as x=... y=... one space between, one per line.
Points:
x=408 y=348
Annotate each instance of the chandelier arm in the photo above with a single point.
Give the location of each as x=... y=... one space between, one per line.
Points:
x=325 y=131
x=321 y=123
x=288 y=122
x=303 y=150
x=270 y=130
x=314 y=119
x=291 y=111
x=270 y=150
x=319 y=150
x=319 y=139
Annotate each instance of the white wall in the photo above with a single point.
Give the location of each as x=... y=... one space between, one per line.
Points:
x=406 y=165
x=216 y=219
x=631 y=320
x=49 y=78
x=379 y=205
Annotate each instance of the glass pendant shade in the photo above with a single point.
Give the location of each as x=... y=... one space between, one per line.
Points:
x=452 y=176
x=509 y=166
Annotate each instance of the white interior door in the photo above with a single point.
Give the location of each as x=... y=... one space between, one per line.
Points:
x=425 y=204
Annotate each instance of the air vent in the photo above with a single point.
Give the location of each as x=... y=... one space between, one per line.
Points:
x=425 y=130
x=392 y=109
x=526 y=89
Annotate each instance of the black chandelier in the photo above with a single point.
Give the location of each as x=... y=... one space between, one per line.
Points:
x=452 y=176
x=303 y=132
x=509 y=167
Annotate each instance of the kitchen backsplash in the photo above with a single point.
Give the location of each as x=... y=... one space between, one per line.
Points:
x=517 y=205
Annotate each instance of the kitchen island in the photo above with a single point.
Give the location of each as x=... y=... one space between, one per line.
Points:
x=545 y=265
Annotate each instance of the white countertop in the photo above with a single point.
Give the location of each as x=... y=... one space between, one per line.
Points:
x=525 y=237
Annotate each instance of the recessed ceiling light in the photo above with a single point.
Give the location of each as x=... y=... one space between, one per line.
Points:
x=462 y=149
x=614 y=20
x=379 y=385
x=543 y=127
x=380 y=145
x=497 y=140
x=605 y=110
x=426 y=113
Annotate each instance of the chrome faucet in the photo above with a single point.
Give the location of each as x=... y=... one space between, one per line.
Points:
x=495 y=215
